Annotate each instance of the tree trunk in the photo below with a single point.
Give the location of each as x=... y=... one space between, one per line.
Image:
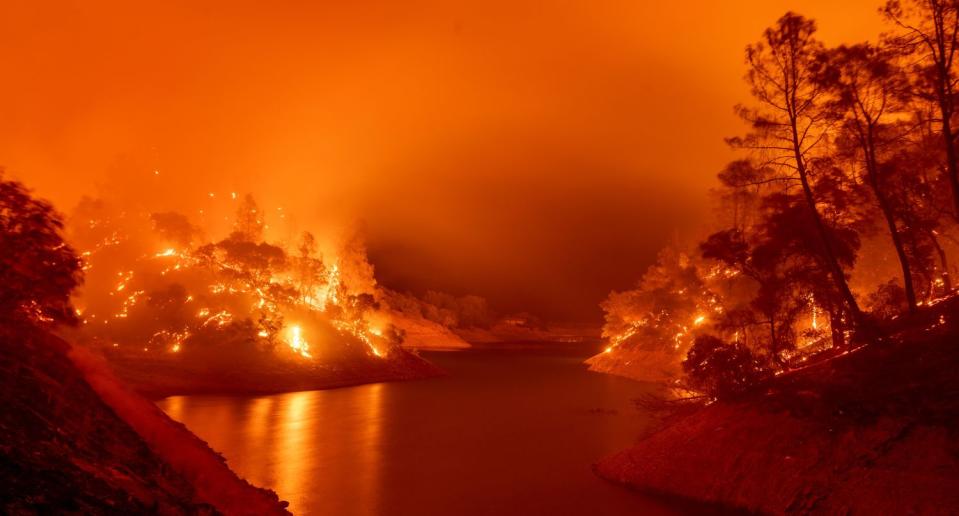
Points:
x=835 y=270
x=946 y=278
x=901 y=253
x=952 y=169
x=872 y=168
x=835 y=329
x=944 y=95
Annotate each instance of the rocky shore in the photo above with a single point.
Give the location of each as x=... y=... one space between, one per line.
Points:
x=871 y=432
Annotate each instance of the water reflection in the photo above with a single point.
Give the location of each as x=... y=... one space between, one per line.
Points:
x=501 y=435
x=294 y=433
x=370 y=449
x=305 y=445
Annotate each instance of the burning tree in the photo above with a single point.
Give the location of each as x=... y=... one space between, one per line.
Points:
x=789 y=128
x=656 y=323
x=928 y=33
x=845 y=147
x=865 y=98
x=168 y=294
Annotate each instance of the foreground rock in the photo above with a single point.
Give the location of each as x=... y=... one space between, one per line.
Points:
x=873 y=432
x=65 y=447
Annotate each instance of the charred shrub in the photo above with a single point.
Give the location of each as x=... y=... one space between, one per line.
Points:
x=722 y=370
x=888 y=301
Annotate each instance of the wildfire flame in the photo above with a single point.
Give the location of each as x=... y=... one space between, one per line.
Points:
x=297 y=342
x=274 y=293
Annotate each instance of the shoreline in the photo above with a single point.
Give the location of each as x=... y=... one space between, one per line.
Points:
x=871 y=432
x=162 y=379
x=81 y=442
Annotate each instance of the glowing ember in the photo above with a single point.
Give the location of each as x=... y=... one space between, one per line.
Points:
x=297 y=342
x=243 y=288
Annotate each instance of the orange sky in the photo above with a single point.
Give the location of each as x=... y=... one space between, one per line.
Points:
x=536 y=153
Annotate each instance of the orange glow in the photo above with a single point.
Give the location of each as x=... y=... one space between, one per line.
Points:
x=551 y=139
x=297 y=342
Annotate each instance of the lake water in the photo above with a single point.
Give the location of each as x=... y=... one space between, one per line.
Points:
x=507 y=432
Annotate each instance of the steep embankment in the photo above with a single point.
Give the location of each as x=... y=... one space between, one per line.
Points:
x=873 y=432
x=66 y=447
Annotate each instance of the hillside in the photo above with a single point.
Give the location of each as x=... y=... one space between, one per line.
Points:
x=63 y=448
x=872 y=431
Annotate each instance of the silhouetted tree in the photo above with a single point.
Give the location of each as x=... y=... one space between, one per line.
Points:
x=789 y=125
x=915 y=189
x=175 y=228
x=721 y=370
x=310 y=269
x=241 y=258
x=355 y=269
x=38 y=270
x=865 y=87
x=782 y=255
x=929 y=31
x=249 y=221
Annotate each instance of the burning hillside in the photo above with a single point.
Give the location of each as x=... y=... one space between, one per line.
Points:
x=650 y=330
x=165 y=303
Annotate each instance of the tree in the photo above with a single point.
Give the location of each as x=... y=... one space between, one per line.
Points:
x=175 y=228
x=789 y=125
x=456 y=311
x=916 y=191
x=355 y=270
x=780 y=253
x=721 y=370
x=243 y=259
x=930 y=33
x=310 y=269
x=655 y=323
x=865 y=86
x=248 y=225
x=788 y=248
x=38 y=270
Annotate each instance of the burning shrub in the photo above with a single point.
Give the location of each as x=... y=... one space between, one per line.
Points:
x=721 y=370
